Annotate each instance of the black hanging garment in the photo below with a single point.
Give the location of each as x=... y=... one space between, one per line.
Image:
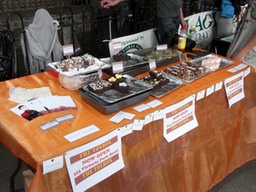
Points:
x=8 y=67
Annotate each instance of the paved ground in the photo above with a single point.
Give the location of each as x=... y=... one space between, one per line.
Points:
x=242 y=179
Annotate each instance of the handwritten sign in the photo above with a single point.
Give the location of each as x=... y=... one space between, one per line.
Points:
x=180 y=118
x=93 y=162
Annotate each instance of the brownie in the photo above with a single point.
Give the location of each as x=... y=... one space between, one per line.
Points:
x=99 y=86
x=156 y=79
x=122 y=57
x=119 y=83
x=122 y=87
x=185 y=70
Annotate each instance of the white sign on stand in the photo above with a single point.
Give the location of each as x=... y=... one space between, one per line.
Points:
x=234 y=87
x=68 y=50
x=152 y=64
x=180 y=118
x=131 y=43
x=118 y=67
x=93 y=162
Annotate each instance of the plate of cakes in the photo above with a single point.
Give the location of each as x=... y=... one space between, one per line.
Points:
x=186 y=71
x=161 y=57
x=78 y=65
x=212 y=62
x=162 y=83
x=116 y=88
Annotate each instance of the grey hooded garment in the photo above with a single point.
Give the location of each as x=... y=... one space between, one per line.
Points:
x=42 y=42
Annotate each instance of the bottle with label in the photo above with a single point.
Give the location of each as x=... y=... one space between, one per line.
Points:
x=182 y=40
x=192 y=33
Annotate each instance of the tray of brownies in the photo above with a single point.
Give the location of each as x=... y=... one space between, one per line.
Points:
x=212 y=62
x=78 y=65
x=162 y=83
x=161 y=57
x=115 y=93
x=187 y=71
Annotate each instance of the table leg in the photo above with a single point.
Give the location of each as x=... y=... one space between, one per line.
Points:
x=14 y=174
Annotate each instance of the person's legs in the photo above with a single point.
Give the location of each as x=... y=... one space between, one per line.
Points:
x=225 y=26
x=167 y=29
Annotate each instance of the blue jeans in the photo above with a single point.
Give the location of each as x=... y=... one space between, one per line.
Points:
x=167 y=28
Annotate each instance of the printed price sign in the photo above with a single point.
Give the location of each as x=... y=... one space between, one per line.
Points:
x=93 y=162
x=180 y=118
x=234 y=87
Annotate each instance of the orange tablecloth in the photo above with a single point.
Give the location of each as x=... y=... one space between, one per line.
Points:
x=194 y=162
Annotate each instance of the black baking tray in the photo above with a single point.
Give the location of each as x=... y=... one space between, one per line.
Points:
x=107 y=108
x=135 y=65
x=112 y=96
x=133 y=71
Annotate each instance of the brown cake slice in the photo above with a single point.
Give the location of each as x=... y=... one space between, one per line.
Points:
x=119 y=83
x=122 y=87
x=99 y=86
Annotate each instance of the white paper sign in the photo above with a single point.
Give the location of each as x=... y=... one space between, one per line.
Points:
x=218 y=86
x=52 y=164
x=117 y=118
x=93 y=162
x=154 y=103
x=68 y=49
x=141 y=107
x=180 y=118
x=210 y=90
x=118 y=67
x=200 y=95
x=81 y=133
x=158 y=115
x=234 y=87
x=138 y=124
x=148 y=118
x=126 y=130
x=161 y=47
x=152 y=64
